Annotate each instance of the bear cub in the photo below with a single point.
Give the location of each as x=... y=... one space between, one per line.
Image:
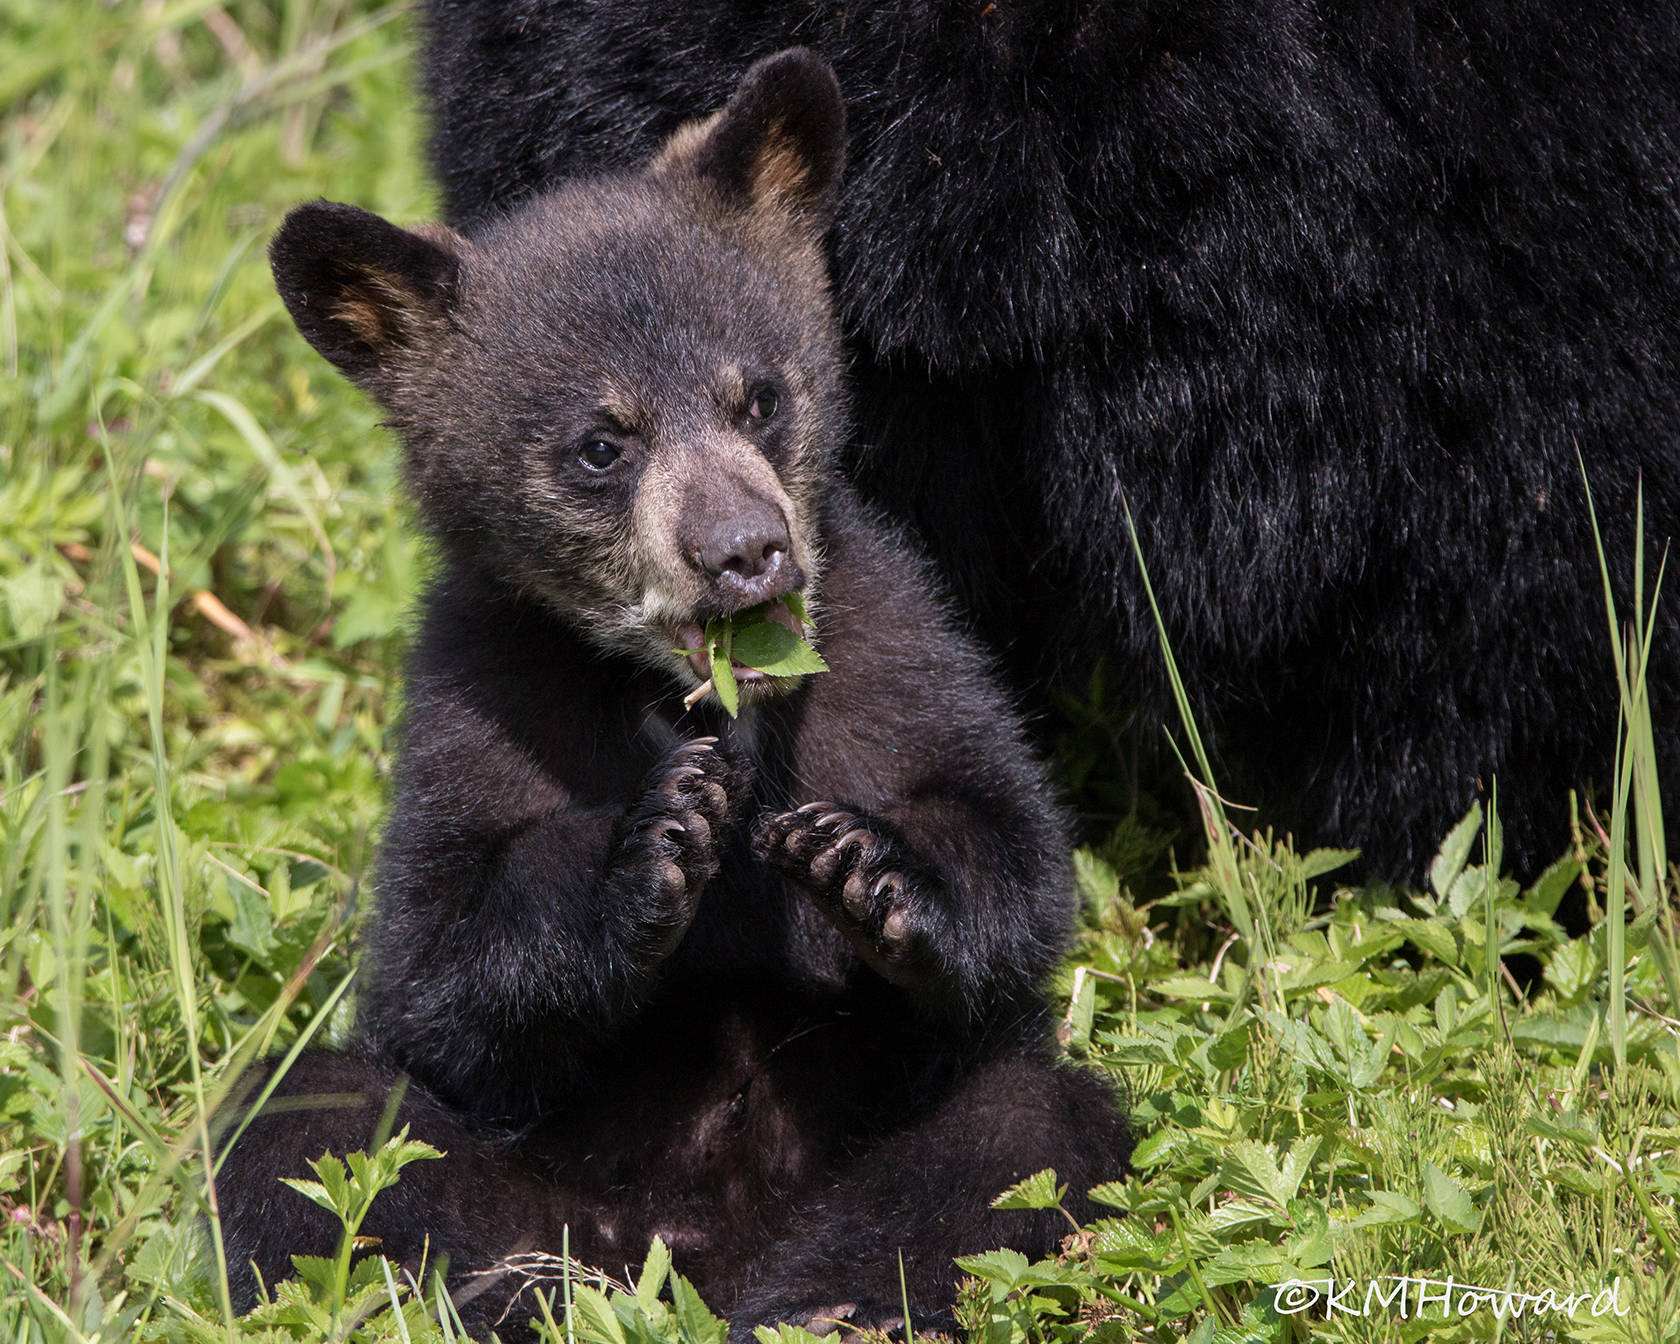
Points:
x=767 y=987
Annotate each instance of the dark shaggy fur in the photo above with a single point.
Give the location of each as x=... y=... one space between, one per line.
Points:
x=1332 y=293
x=769 y=988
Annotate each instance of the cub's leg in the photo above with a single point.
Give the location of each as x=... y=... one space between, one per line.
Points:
x=927 y=1189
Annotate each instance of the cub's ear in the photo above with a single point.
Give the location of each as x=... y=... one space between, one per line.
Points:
x=363 y=292
x=778 y=145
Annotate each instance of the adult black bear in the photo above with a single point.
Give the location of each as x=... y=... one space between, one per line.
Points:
x=767 y=988
x=1332 y=291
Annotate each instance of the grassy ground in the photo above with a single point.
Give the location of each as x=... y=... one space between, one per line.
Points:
x=204 y=569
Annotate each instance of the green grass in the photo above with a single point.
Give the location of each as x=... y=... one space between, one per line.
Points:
x=204 y=570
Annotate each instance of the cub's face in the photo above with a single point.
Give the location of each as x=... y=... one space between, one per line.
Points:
x=622 y=399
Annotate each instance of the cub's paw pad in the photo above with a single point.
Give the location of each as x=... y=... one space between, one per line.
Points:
x=852 y=866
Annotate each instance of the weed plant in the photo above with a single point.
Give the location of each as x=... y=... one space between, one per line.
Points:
x=204 y=570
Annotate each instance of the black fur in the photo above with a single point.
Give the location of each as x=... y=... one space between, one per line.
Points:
x=769 y=988
x=1331 y=293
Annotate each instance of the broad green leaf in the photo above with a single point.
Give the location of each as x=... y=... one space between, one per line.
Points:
x=1191 y=987
x=723 y=676
x=776 y=650
x=1322 y=861
x=1388 y=1206
x=1455 y=852
x=1543 y=897
x=1001 y=1266
x=1038 y=1191
x=786 y=1334
x=1449 y=1201
x=694 y=1320
x=1158 y=1147
x=1433 y=937
x=1249 y=1169
x=655 y=1269
x=594 y=1316
x=1566 y=1128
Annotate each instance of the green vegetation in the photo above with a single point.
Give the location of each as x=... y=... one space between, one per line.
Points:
x=204 y=573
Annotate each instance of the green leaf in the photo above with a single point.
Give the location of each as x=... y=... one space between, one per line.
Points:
x=1229 y=1050
x=1322 y=861
x=1449 y=1201
x=1431 y=936
x=775 y=650
x=1543 y=897
x=655 y=1269
x=1002 y=1266
x=1115 y=1194
x=1038 y=1191
x=695 y=1322
x=1158 y=1147
x=1573 y=967
x=594 y=1316
x=1565 y=1127
x=1388 y=1206
x=723 y=676
x=1191 y=987
x=1455 y=852
x=786 y=1334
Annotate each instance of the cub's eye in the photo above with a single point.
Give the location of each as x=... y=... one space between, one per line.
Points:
x=763 y=403
x=597 y=455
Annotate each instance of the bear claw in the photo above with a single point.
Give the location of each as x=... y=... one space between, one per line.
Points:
x=853 y=868
x=672 y=836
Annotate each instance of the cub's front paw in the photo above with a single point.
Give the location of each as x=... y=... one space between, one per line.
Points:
x=859 y=874
x=670 y=846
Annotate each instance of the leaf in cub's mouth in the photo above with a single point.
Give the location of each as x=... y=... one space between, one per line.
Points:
x=765 y=638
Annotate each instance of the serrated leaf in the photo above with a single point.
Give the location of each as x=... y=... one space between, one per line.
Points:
x=1572 y=968
x=1455 y=852
x=1229 y=1050
x=723 y=676
x=1566 y=1127
x=775 y=650
x=1190 y=987
x=1002 y=1266
x=1249 y=1169
x=787 y=1334
x=1112 y=1194
x=651 y=1282
x=694 y=1320
x=1038 y=1191
x=1119 y=1049
x=1158 y=1147
x=317 y=1271
x=1322 y=861
x=1432 y=937
x=1095 y=879
x=1314 y=974
x=1543 y=897
x=1247 y=1262
x=1449 y=1201
x=1241 y=1212
x=594 y=1315
x=1388 y=1206
x=313 y=1191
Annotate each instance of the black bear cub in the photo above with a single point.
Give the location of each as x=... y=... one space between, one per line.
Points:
x=769 y=987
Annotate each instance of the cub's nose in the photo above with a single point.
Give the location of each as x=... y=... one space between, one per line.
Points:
x=747 y=557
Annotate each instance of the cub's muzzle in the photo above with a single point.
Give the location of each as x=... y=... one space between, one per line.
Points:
x=746 y=559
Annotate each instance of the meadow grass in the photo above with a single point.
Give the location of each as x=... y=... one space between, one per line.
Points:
x=204 y=573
